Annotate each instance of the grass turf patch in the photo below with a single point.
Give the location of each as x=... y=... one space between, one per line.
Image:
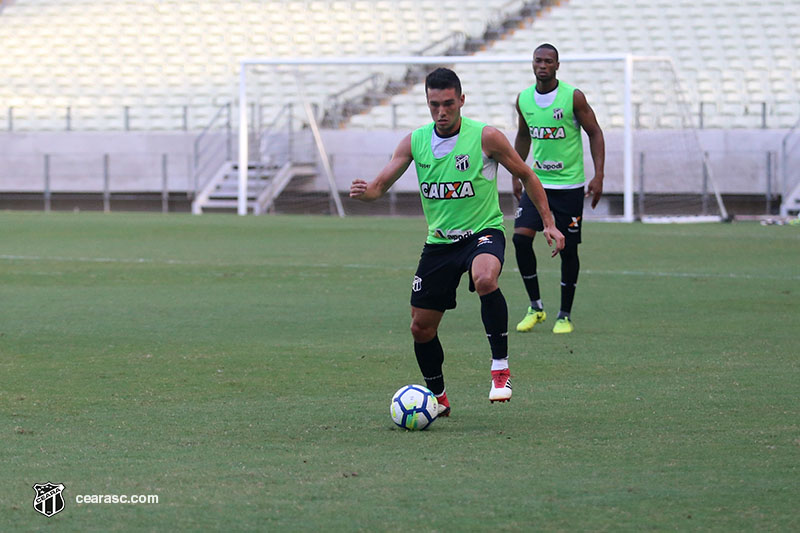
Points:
x=241 y=369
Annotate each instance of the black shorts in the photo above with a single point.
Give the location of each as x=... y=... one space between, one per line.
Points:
x=441 y=266
x=567 y=208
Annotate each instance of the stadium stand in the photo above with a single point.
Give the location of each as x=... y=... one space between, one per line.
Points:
x=738 y=58
x=162 y=66
x=135 y=64
x=98 y=57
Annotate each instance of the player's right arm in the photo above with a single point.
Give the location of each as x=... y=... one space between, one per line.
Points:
x=401 y=159
x=522 y=142
x=522 y=145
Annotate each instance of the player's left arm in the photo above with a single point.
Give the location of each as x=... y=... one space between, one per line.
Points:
x=597 y=144
x=496 y=146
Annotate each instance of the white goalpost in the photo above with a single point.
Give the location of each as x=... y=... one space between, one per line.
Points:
x=653 y=185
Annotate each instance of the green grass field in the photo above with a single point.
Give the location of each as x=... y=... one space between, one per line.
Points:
x=241 y=368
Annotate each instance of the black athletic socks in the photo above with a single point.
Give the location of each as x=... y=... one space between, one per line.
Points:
x=430 y=357
x=526 y=262
x=570 y=265
x=494 y=313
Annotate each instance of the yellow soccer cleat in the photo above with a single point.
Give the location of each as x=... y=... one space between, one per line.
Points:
x=563 y=325
x=533 y=317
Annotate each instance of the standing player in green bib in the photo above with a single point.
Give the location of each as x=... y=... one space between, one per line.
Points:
x=551 y=115
x=456 y=161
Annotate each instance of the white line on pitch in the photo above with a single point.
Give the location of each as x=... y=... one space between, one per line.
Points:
x=359 y=266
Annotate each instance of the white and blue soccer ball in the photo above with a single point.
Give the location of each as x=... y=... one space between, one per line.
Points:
x=414 y=407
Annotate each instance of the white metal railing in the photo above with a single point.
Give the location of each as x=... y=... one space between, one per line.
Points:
x=105 y=176
x=81 y=117
x=213 y=147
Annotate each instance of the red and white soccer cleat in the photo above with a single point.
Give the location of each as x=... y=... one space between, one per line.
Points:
x=444 y=405
x=501 y=386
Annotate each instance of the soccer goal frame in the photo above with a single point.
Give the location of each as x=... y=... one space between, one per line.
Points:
x=628 y=61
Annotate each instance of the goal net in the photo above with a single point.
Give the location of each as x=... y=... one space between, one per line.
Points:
x=673 y=179
x=343 y=117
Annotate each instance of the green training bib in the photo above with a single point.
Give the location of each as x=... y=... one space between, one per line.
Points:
x=458 y=200
x=555 y=138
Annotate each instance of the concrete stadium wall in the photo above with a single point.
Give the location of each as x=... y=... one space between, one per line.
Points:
x=76 y=160
x=738 y=158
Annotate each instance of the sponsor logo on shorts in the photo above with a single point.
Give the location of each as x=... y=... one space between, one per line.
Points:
x=548 y=165
x=416 y=286
x=453 y=234
x=451 y=190
x=575 y=225
x=485 y=239
x=462 y=162
x=518 y=212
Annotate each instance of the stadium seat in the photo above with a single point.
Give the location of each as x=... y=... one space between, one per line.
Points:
x=146 y=50
x=195 y=39
x=719 y=47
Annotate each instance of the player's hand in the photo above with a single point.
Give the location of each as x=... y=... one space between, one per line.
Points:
x=358 y=188
x=595 y=190
x=552 y=235
x=516 y=188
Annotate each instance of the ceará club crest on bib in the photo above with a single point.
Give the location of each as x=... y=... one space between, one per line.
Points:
x=462 y=162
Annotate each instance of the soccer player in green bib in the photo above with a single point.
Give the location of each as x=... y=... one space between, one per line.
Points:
x=551 y=115
x=456 y=162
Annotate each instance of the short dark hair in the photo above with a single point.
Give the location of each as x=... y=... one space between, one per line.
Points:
x=547 y=46
x=443 y=78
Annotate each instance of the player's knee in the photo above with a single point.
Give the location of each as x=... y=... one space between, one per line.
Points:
x=422 y=332
x=570 y=251
x=570 y=264
x=522 y=242
x=485 y=282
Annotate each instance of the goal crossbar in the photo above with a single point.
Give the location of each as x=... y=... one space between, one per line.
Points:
x=626 y=59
